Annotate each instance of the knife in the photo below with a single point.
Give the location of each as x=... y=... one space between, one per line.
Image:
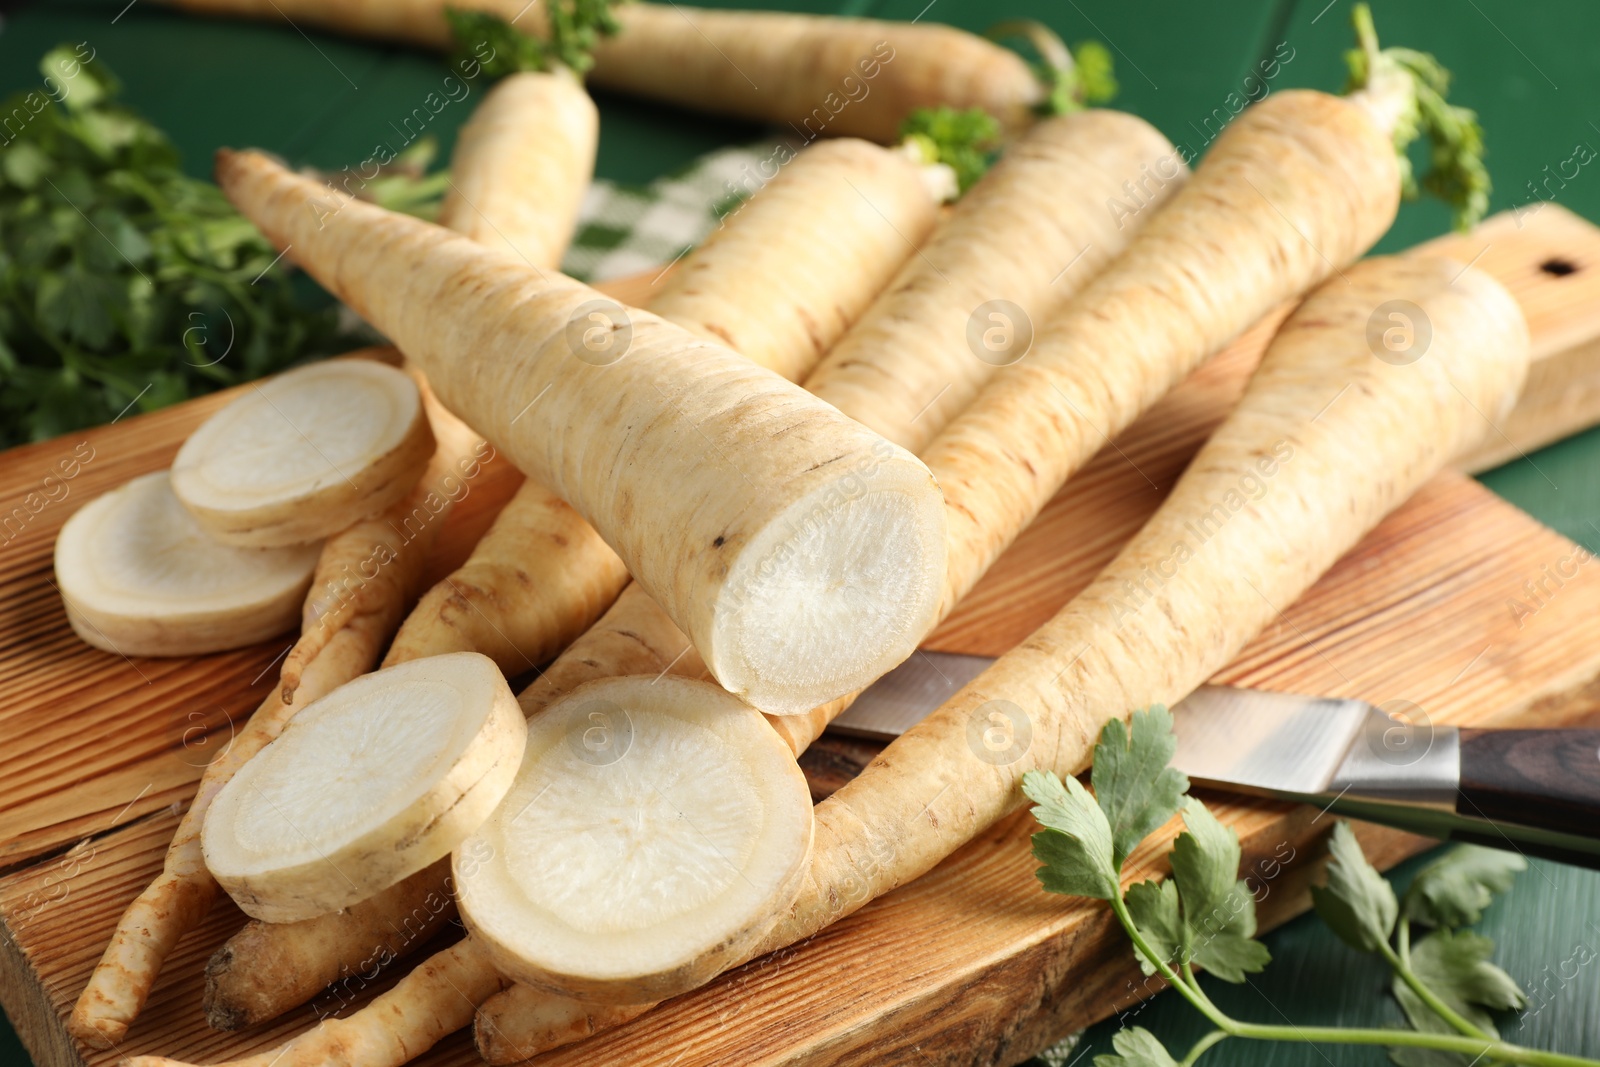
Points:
x=1535 y=791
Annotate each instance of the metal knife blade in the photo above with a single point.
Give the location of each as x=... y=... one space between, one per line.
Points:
x=1343 y=755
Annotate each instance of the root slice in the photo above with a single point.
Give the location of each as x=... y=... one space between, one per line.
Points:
x=366 y=786
x=657 y=828
x=141 y=578
x=305 y=454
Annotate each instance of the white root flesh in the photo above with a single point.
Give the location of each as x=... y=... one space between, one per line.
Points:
x=640 y=850
x=306 y=454
x=802 y=553
x=140 y=577
x=368 y=785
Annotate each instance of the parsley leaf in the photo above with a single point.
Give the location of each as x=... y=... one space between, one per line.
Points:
x=1154 y=907
x=1136 y=1047
x=1219 y=912
x=1454 y=965
x=1357 y=903
x=1075 y=846
x=1132 y=782
x=124 y=283
x=1454 y=889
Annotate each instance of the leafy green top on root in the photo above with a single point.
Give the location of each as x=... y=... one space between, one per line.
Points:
x=576 y=26
x=1073 y=78
x=965 y=141
x=1456 y=173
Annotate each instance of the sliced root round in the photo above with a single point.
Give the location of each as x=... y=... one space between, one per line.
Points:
x=368 y=785
x=657 y=829
x=141 y=578
x=305 y=454
x=833 y=594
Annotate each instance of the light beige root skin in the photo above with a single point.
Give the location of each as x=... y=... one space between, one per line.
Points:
x=538 y=579
x=1038 y=226
x=694 y=57
x=1172 y=609
x=744 y=574
x=390 y=1030
x=183 y=893
x=532 y=133
x=698 y=58
x=633 y=637
x=767 y=282
x=1297 y=185
x=512 y=598
x=320 y=502
x=269 y=968
x=371 y=571
x=521 y=1022
x=266 y=968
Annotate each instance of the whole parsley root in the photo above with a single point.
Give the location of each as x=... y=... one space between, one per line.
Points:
x=811 y=68
x=1334 y=437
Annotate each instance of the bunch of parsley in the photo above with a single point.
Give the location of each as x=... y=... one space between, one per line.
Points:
x=123 y=282
x=1204 y=915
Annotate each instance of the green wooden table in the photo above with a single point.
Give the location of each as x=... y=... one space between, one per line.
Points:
x=1533 y=73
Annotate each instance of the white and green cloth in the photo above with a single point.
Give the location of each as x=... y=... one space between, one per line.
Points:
x=625 y=229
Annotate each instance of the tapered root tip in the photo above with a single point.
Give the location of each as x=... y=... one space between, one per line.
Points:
x=98 y=1033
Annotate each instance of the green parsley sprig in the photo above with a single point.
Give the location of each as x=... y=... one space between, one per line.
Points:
x=1204 y=915
x=967 y=142
x=123 y=282
x=1073 y=78
x=575 y=27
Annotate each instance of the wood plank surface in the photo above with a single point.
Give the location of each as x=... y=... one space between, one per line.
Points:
x=971 y=964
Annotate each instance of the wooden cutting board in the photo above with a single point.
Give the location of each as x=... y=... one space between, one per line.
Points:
x=1459 y=604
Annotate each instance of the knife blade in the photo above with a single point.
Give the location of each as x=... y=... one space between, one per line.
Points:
x=1537 y=791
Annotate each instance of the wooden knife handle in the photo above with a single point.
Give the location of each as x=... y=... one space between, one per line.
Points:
x=1548 y=779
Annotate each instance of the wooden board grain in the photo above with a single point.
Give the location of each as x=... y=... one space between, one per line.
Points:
x=971 y=964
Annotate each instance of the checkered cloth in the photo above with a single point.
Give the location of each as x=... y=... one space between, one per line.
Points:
x=625 y=229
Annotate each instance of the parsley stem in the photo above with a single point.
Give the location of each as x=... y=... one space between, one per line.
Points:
x=1483 y=1049
x=1400 y=962
x=1201 y=1046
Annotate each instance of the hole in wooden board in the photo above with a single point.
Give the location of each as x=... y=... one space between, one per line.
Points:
x=1558 y=267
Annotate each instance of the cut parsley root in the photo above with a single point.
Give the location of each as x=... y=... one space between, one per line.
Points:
x=804 y=559
x=370 y=784
x=305 y=454
x=139 y=577
x=1338 y=437
x=772 y=284
x=541 y=575
x=656 y=827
